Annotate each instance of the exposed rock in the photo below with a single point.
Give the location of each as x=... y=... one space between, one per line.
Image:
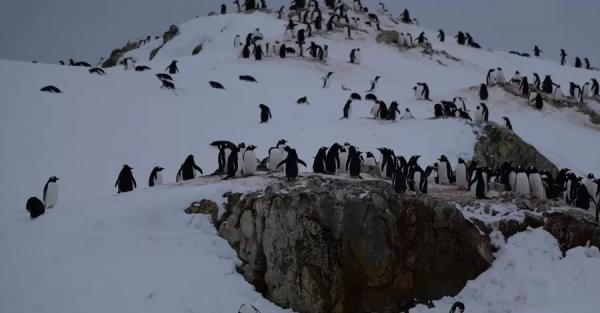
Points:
x=388 y=37
x=498 y=144
x=116 y=54
x=206 y=207
x=334 y=245
x=167 y=36
x=571 y=231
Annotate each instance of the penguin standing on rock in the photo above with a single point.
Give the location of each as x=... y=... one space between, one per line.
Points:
x=537 y=186
x=462 y=179
x=370 y=160
x=291 y=164
x=445 y=171
x=265 y=113
x=354 y=163
x=319 y=162
x=155 y=177
x=332 y=160
x=249 y=161
x=481 y=184
x=276 y=154
x=521 y=185
x=51 y=192
x=125 y=182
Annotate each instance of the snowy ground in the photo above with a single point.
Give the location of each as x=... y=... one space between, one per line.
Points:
x=97 y=252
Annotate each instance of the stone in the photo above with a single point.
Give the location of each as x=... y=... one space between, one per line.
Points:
x=571 y=231
x=205 y=207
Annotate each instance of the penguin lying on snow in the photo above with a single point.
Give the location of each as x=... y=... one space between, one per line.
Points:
x=248 y=78
x=35 y=207
x=216 y=85
x=141 y=68
x=96 y=70
x=163 y=76
x=355 y=96
x=302 y=100
x=51 y=89
x=167 y=84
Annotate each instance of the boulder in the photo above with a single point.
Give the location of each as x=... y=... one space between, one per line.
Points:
x=335 y=245
x=205 y=207
x=572 y=231
x=117 y=54
x=498 y=144
x=388 y=37
x=171 y=33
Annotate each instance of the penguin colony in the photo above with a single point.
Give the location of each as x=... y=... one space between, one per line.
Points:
x=239 y=160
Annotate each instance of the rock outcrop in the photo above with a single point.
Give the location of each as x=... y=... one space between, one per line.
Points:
x=571 y=231
x=205 y=207
x=499 y=144
x=388 y=37
x=171 y=33
x=117 y=54
x=334 y=245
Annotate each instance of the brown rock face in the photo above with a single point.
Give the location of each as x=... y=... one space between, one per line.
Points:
x=571 y=231
x=206 y=207
x=333 y=245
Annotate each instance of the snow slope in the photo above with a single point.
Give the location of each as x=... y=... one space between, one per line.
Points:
x=99 y=123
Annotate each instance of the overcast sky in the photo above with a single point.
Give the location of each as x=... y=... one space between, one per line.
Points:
x=51 y=30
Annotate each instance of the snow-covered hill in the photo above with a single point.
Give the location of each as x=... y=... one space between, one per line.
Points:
x=97 y=252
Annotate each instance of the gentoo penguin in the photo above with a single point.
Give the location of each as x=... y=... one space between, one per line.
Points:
x=483 y=92
x=537 y=51
x=536 y=81
x=355 y=56
x=343 y=158
x=172 y=68
x=388 y=162
x=370 y=160
x=407 y=115
x=485 y=113
x=155 y=177
x=354 y=163
x=35 y=207
x=249 y=161
x=583 y=198
x=374 y=84
x=423 y=180
x=265 y=113
x=233 y=163
x=347 y=109
x=490 y=79
x=563 y=57
x=578 y=63
x=441 y=35
x=51 y=192
x=444 y=171
x=462 y=181
x=291 y=164
x=500 y=79
x=319 y=162
x=332 y=160
x=481 y=187
x=586 y=91
x=326 y=80
x=595 y=88
x=521 y=186
x=125 y=182
x=537 y=186
x=276 y=154
x=399 y=181
x=537 y=101
x=457 y=307
x=422 y=91
x=507 y=123
x=524 y=87
x=383 y=111
x=547 y=85
x=188 y=169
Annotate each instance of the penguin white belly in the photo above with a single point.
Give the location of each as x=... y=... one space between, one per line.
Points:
x=158 y=179
x=375 y=110
x=343 y=160
x=537 y=187
x=485 y=182
x=567 y=195
x=587 y=93
x=443 y=174
x=238 y=173
x=522 y=185
x=419 y=93
x=500 y=79
x=51 y=195
x=532 y=96
x=461 y=177
x=370 y=162
x=249 y=163
x=417 y=180
x=275 y=157
x=478 y=116
x=592 y=188
x=512 y=179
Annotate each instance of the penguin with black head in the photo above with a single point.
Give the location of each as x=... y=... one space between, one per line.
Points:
x=291 y=164
x=125 y=182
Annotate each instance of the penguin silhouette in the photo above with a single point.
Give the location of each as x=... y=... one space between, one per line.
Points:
x=265 y=113
x=187 y=169
x=291 y=164
x=35 y=207
x=125 y=182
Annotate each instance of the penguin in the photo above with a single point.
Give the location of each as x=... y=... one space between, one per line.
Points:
x=547 y=85
x=521 y=186
x=484 y=112
x=388 y=163
x=216 y=85
x=422 y=91
x=595 y=88
x=578 y=63
x=490 y=79
x=347 y=109
x=391 y=112
x=405 y=17
x=375 y=109
x=155 y=177
x=51 y=89
x=407 y=115
x=536 y=51
x=383 y=111
x=248 y=78
x=524 y=87
x=258 y=52
x=97 y=70
x=326 y=80
x=583 y=198
x=499 y=77
x=424 y=180
x=51 y=192
x=421 y=39
x=441 y=35
x=438 y=110
x=464 y=115
x=249 y=161
x=125 y=182
x=483 y=92
x=563 y=56
x=223 y=9
x=265 y=113
x=332 y=159
x=245 y=53
x=167 y=85
x=354 y=163
x=142 y=68
x=481 y=184
x=517 y=78
x=538 y=101
x=537 y=186
x=276 y=154
x=163 y=76
x=399 y=181
x=343 y=159
x=460 y=38
x=188 y=169
x=462 y=181
x=355 y=56
x=536 y=81
x=370 y=160
x=35 y=207
x=172 y=68
x=319 y=161
x=302 y=100
x=374 y=84
x=507 y=123
x=291 y=164
x=586 y=91
x=457 y=307
x=445 y=171
x=233 y=162
x=587 y=64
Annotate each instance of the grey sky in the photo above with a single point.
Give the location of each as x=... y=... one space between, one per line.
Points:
x=52 y=30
